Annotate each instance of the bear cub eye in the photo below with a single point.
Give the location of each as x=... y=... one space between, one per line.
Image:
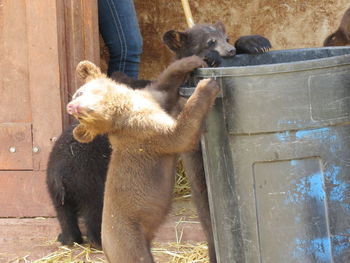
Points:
x=211 y=42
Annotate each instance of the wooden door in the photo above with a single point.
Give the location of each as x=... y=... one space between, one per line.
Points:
x=36 y=77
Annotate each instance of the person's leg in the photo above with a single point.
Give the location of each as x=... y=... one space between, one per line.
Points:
x=120 y=31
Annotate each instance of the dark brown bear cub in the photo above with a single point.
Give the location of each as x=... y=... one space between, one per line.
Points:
x=145 y=140
x=210 y=42
x=341 y=37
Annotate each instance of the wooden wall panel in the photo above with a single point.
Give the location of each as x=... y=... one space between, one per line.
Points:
x=40 y=45
x=62 y=58
x=16 y=146
x=23 y=194
x=78 y=40
x=91 y=31
x=44 y=79
x=14 y=75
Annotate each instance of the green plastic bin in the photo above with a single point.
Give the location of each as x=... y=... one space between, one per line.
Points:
x=276 y=150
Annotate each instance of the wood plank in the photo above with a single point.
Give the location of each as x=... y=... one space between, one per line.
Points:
x=91 y=31
x=81 y=41
x=74 y=41
x=15 y=97
x=24 y=194
x=44 y=78
x=62 y=58
x=16 y=146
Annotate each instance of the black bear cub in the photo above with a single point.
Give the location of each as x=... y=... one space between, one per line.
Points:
x=211 y=43
x=76 y=176
x=70 y=178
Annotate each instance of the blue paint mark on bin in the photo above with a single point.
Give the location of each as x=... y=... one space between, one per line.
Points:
x=294 y=162
x=283 y=136
x=318 y=249
x=307 y=187
x=323 y=135
x=314 y=134
x=337 y=187
x=340 y=245
x=339 y=190
x=317 y=186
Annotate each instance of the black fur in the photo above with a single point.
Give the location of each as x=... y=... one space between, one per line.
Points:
x=213 y=58
x=75 y=178
x=252 y=44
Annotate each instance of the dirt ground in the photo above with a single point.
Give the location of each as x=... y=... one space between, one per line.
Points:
x=287 y=23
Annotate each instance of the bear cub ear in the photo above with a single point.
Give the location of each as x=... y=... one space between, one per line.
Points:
x=82 y=134
x=175 y=39
x=220 y=26
x=87 y=71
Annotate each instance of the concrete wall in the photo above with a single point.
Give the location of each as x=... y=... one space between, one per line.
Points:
x=287 y=23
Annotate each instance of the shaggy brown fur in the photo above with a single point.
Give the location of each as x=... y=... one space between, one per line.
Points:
x=145 y=140
x=341 y=37
x=77 y=171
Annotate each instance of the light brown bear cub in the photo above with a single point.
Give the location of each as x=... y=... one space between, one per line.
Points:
x=145 y=140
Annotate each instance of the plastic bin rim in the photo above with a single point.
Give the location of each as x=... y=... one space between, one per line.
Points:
x=284 y=67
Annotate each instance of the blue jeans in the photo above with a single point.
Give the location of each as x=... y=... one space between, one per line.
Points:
x=120 y=31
